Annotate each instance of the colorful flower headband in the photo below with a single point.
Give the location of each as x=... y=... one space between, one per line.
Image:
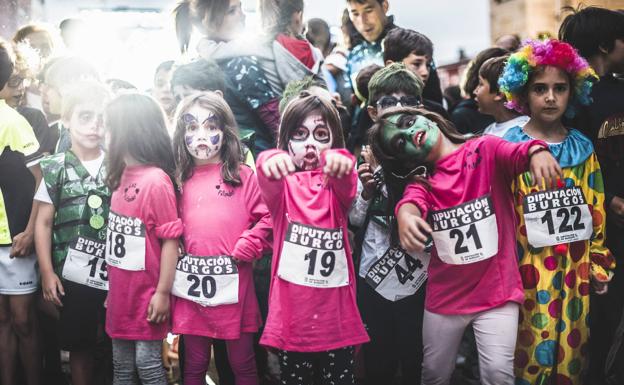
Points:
x=535 y=53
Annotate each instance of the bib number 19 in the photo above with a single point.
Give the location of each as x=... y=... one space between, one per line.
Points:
x=328 y=262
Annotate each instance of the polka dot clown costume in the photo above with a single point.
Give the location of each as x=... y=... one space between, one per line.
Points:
x=561 y=232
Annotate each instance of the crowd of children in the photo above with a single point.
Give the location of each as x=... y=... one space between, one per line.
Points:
x=249 y=210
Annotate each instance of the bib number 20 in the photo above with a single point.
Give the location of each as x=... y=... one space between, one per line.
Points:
x=116 y=244
x=460 y=248
x=328 y=262
x=208 y=286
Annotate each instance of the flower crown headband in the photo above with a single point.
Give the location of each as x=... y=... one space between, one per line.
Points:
x=536 y=53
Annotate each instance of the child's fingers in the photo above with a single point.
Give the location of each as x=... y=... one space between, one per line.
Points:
x=423 y=225
x=282 y=167
x=150 y=312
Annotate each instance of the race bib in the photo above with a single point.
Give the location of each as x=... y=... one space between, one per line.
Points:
x=313 y=257
x=125 y=242
x=398 y=274
x=466 y=233
x=85 y=263
x=558 y=216
x=208 y=281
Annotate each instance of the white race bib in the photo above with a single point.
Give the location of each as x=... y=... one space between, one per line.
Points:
x=314 y=257
x=125 y=242
x=85 y=263
x=208 y=281
x=557 y=216
x=466 y=233
x=397 y=274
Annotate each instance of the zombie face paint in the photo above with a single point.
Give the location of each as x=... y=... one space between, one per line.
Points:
x=203 y=135
x=410 y=136
x=308 y=141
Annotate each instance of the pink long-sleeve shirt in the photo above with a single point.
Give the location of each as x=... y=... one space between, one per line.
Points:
x=223 y=220
x=480 y=167
x=145 y=193
x=303 y=318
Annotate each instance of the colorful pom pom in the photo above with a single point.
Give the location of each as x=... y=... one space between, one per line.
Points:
x=561 y=249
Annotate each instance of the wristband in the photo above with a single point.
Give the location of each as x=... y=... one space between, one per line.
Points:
x=540 y=149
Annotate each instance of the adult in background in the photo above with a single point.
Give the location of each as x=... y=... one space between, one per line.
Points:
x=598 y=35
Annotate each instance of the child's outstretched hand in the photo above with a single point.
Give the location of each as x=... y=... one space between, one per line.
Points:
x=544 y=168
x=413 y=229
x=52 y=288
x=158 y=308
x=337 y=165
x=278 y=166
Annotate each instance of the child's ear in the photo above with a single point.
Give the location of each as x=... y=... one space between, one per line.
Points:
x=500 y=97
x=388 y=62
x=372 y=112
x=218 y=92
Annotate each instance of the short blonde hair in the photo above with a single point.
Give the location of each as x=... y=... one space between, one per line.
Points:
x=83 y=92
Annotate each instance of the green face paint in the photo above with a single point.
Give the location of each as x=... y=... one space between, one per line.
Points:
x=410 y=137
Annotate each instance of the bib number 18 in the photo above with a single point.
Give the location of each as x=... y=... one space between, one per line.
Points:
x=116 y=244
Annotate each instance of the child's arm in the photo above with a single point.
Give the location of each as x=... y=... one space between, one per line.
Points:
x=23 y=242
x=273 y=166
x=357 y=215
x=338 y=167
x=532 y=155
x=158 y=308
x=50 y=282
x=413 y=229
x=602 y=261
x=256 y=240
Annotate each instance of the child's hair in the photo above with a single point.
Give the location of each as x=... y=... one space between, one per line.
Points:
x=231 y=149
x=471 y=76
x=295 y=87
x=166 y=66
x=66 y=70
x=393 y=79
x=401 y=42
x=202 y=75
x=120 y=85
x=6 y=63
x=531 y=59
x=137 y=128
x=491 y=70
x=22 y=33
x=363 y=1
x=591 y=29
x=83 y=92
x=362 y=79
x=193 y=13
x=319 y=34
x=276 y=15
x=297 y=111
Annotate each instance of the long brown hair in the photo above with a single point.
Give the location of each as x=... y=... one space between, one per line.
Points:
x=231 y=154
x=205 y=15
x=276 y=15
x=302 y=106
x=137 y=128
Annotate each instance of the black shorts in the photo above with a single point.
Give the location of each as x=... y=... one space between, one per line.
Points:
x=81 y=317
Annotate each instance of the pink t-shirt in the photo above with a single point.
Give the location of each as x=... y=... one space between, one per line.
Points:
x=147 y=194
x=481 y=167
x=223 y=220
x=303 y=318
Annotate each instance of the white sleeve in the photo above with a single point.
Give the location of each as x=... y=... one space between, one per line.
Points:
x=359 y=208
x=42 y=194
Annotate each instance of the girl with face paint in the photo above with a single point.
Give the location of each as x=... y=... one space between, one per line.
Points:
x=458 y=194
x=308 y=184
x=225 y=221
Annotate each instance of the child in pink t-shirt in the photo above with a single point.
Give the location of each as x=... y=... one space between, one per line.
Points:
x=142 y=238
x=466 y=206
x=226 y=228
x=308 y=185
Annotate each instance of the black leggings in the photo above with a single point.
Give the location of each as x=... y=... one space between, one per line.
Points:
x=334 y=367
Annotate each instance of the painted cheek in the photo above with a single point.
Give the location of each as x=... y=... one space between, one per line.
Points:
x=189 y=139
x=215 y=139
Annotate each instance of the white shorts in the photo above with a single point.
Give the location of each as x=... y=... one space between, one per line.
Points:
x=18 y=275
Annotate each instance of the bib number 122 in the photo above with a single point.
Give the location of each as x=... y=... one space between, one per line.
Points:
x=565 y=214
x=328 y=262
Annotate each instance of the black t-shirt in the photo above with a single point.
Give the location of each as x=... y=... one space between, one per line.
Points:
x=467 y=118
x=46 y=136
x=18 y=189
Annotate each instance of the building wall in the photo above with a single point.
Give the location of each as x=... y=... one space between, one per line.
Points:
x=529 y=18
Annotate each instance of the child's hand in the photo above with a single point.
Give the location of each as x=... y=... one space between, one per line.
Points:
x=413 y=229
x=278 y=166
x=22 y=245
x=365 y=173
x=337 y=165
x=600 y=287
x=158 y=308
x=367 y=155
x=52 y=288
x=544 y=168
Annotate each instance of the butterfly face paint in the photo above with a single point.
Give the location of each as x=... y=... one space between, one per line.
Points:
x=410 y=136
x=308 y=141
x=203 y=136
